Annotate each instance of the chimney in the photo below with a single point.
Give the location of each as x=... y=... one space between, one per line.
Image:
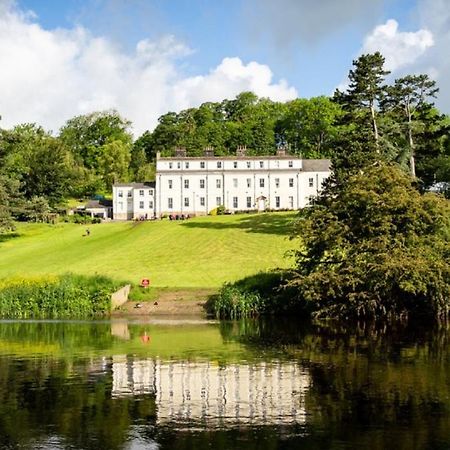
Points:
x=180 y=152
x=281 y=151
x=209 y=152
x=241 y=150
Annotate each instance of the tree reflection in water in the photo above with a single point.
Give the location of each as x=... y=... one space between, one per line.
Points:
x=290 y=385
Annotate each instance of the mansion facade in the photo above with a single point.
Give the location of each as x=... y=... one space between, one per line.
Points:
x=196 y=185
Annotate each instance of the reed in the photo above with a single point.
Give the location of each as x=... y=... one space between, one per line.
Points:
x=51 y=297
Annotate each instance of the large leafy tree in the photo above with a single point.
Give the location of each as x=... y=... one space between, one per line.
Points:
x=86 y=135
x=309 y=127
x=374 y=247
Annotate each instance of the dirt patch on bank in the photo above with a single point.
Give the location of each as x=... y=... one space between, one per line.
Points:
x=175 y=302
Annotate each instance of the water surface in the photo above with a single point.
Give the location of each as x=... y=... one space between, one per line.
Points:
x=243 y=385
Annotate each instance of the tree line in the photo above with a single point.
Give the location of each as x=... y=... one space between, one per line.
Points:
x=370 y=119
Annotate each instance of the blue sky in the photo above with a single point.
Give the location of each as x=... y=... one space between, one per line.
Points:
x=172 y=54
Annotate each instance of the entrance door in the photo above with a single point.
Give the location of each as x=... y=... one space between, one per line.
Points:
x=261 y=203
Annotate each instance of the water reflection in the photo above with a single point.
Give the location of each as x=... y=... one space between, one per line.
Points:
x=245 y=385
x=267 y=393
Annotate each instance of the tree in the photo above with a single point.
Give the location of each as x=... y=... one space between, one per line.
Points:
x=365 y=90
x=407 y=96
x=374 y=247
x=114 y=162
x=309 y=126
x=86 y=135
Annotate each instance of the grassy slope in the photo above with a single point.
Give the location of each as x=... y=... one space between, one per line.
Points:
x=201 y=252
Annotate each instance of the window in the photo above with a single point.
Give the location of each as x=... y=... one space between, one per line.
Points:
x=278 y=164
x=235 y=202
x=150 y=204
x=291 y=202
x=170 y=203
x=141 y=205
x=120 y=194
x=202 y=201
x=261 y=164
x=120 y=205
x=170 y=165
x=277 y=202
x=311 y=182
x=169 y=182
x=249 y=202
x=130 y=194
x=291 y=182
x=277 y=182
x=291 y=164
x=218 y=183
x=186 y=201
x=219 y=164
x=261 y=182
x=249 y=182
x=150 y=191
x=186 y=184
x=186 y=164
x=235 y=182
x=249 y=164
x=202 y=184
x=178 y=165
x=235 y=164
x=141 y=192
x=218 y=201
x=202 y=164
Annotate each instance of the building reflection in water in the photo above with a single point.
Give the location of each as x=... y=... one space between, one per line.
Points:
x=248 y=393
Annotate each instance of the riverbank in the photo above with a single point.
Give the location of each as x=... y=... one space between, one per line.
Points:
x=178 y=302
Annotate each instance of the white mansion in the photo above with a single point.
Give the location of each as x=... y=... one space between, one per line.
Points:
x=196 y=185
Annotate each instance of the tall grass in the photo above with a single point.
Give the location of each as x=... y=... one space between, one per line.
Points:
x=66 y=296
x=263 y=293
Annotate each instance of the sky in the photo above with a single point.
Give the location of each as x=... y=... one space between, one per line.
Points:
x=144 y=58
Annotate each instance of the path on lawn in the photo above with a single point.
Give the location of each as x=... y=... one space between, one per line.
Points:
x=178 y=302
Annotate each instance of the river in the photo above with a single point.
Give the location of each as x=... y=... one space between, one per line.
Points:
x=187 y=384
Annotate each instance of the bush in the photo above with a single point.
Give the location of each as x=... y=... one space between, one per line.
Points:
x=375 y=248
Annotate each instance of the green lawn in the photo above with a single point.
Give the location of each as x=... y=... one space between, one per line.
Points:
x=200 y=252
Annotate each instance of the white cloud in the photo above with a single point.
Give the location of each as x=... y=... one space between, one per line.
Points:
x=398 y=47
x=49 y=76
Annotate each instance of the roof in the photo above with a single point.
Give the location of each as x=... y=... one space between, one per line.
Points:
x=94 y=204
x=316 y=165
x=147 y=184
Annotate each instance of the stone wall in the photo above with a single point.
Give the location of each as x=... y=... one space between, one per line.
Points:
x=120 y=297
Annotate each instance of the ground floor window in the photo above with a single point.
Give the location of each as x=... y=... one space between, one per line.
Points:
x=277 y=202
x=249 y=202
x=186 y=201
x=170 y=203
x=235 y=202
x=150 y=204
x=218 y=201
x=291 y=202
x=202 y=201
x=141 y=205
